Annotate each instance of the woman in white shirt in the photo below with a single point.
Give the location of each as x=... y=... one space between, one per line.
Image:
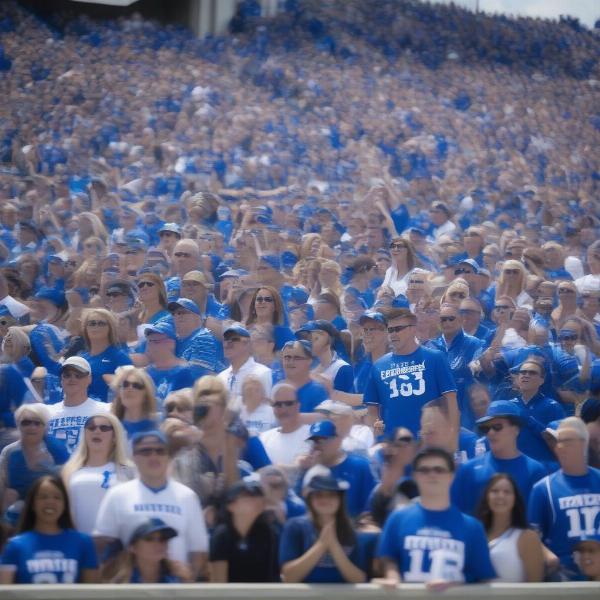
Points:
x=98 y=463
x=515 y=550
x=403 y=262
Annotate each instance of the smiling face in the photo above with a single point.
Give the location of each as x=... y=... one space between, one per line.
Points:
x=49 y=504
x=501 y=497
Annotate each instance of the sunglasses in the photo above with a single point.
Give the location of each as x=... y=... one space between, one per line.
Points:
x=398 y=328
x=397 y=246
x=404 y=440
x=568 y=338
x=565 y=291
x=511 y=271
x=102 y=428
x=182 y=254
x=370 y=330
x=469 y=311
x=447 y=319
x=457 y=295
x=432 y=470
x=136 y=385
x=30 y=423
x=113 y=295
x=143 y=284
x=461 y=271
x=485 y=429
x=416 y=282
x=3 y=322
x=529 y=372
x=173 y=406
x=94 y=323
x=261 y=299
x=73 y=374
x=150 y=450
x=284 y=403
x=502 y=307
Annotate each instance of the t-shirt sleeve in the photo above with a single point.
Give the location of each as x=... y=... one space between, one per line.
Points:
x=390 y=538
x=344 y=379
x=10 y=556
x=443 y=375
x=196 y=534
x=255 y=453
x=478 y=564
x=536 y=508
x=291 y=546
x=370 y=395
x=88 y=558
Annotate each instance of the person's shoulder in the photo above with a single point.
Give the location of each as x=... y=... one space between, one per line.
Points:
x=73 y=535
x=429 y=352
x=357 y=460
x=383 y=361
x=176 y=487
x=300 y=522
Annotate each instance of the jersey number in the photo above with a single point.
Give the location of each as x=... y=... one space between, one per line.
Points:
x=582 y=521
x=445 y=565
x=406 y=387
x=53 y=578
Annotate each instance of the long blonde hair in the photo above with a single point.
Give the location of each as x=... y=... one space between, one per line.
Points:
x=502 y=289
x=109 y=317
x=118 y=454
x=149 y=405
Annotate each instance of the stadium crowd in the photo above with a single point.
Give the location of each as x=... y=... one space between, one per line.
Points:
x=314 y=301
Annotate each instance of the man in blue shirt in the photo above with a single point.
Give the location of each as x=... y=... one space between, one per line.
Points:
x=564 y=507
x=461 y=349
x=501 y=426
x=402 y=381
x=186 y=258
x=431 y=541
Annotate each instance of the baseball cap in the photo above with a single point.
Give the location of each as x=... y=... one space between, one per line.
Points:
x=322 y=429
x=164 y=327
x=13 y=513
x=172 y=227
x=272 y=260
x=441 y=206
x=140 y=436
x=54 y=295
x=234 y=273
x=334 y=408
x=186 y=304
x=77 y=362
x=237 y=329
x=592 y=537
x=198 y=276
x=320 y=479
x=247 y=486
x=590 y=410
x=320 y=325
x=471 y=262
x=374 y=316
x=151 y=526
x=502 y=408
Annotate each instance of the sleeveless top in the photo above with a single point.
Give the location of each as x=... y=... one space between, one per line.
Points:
x=505 y=557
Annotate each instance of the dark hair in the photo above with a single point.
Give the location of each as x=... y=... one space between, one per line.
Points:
x=278 y=313
x=434 y=453
x=343 y=525
x=28 y=516
x=518 y=517
x=534 y=360
x=440 y=403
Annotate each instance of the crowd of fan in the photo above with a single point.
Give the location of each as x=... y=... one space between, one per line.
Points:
x=314 y=301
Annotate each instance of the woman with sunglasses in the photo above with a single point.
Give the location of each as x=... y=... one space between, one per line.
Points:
x=34 y=454
x=323 y=546
x=403 y=262
x=47 y=548
x=98 y=463
x=152 y=295
x=103 y=352
x=512 y=282
x=515 y=550
x=567 y=303
x=134 y=402
x=266 y=308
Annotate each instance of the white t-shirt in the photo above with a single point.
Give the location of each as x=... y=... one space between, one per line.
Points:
x=234 y=381
x=588 y=283
x=283 y=448
x=259 y=420
x=15 y=308
x=129 y=504
x=87 y=488
x=67 y=422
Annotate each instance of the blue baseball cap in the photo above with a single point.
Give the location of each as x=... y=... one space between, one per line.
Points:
x=272 y=260
x=373 y=316
x=237 y=330
x=140 y=436
x=502 y=409
x=234 y=273
x=150 y=526
x=320 y=479
x=54 y=295
x=471 y=262
x=319 y=325
x=172 y=227
x=322 y=429
x=400 y=301
x=247 y=486
x=288 y=258
x=186 y=304
x=164 y=327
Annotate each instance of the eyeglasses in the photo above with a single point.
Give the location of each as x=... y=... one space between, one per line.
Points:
x=73 y=374
x=30 y=423
x=102 y=428
x=71 y=263
x=136 y=385
x=94 y=323
x=404 y=440
x=293 y=357
x=502 y=307
x=485 y=429
x=261 y=299
x=447 y=319
x=150 y=450
x=461 y=271
x=469 y=311
x=432 y=470
x=416 y=282
x=284 y=403
x=460 y=295
x=182 y=254
x=397 y=246
x=529 y=372
x=160 y=340
x=133 y=250
x=565 y=291
x=369 y=330
x=114 y=295
x=398 y=328
x=143 y=284
x=511 y=271
x=232 y=340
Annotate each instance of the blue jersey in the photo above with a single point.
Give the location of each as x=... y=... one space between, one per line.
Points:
x=565 y=509
x=310 y=395
x=105 y=363
x=42 y=558
x=436 y=545
x=400 y=384
x=133 y=427
x=472 y=477
x=202 y=348
x=175 y=378
x=13 y=388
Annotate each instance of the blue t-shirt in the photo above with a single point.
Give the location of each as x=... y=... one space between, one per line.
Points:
x=13 y=388
x=175 y=378
x=299 y=535
x=105 y=363
x=565 y=509
x=472 y=477
x=202 y=348
x=436 y=545
x=42 y=558
x=401 y=384
x=133 y=427
x=310 y=395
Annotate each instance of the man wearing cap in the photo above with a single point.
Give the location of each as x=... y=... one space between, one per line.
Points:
x=402 y=381
x=355 y=469
x=195 y=343
x=376 y=344
x=501 y=427
x=237 y=349
x=355 y=438
x=169 y=234
x=153 y=494
x=196 y=286
x=119 y=296
x=135 y=254
x=564 y=507
x=471 y=313
x=186 y=258
x=68 y=417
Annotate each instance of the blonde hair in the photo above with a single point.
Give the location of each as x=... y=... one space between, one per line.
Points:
x=37 y=409
x=118 y=453
x=97 y=226
x=210 y=387
x=113 y=336
x=21 y=344
x=162 y=292
x=501 y=290
x=183 y=399
x=458 y=285
x=149 y=404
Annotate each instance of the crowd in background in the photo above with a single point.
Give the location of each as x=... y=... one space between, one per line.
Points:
x=317 y=300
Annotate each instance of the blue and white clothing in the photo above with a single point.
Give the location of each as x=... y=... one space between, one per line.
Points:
x=105 y=363
x=341 y=375
x=310 y=395
x=175 y=378
x=432 y=545
x=565 y=509
x=401 y=384
x=42 y=558
x=13 y=387
x=201 y=348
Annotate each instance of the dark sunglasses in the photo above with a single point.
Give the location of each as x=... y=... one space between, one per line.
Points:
x=397 y=246
x=30 y=422
x=102 y=428
x=461 y=271
x=182 y=254
x=568 y=338
x=172 y=407
x=485 y=429
x=404 y=440
x=565 y=291
x=432 y=470
x=502 y=307
x=511 y=271
x=529 y=372
x=415 y=281
x=158 y=450
x=114 y=295
x=143 y=284
x=261 y=299
x=94 y=323
x=136 y=385
x=284 y=403
x=447 y=319
x=398 y=328
x=460 y=295
x=71 y=374
x=3 y=322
